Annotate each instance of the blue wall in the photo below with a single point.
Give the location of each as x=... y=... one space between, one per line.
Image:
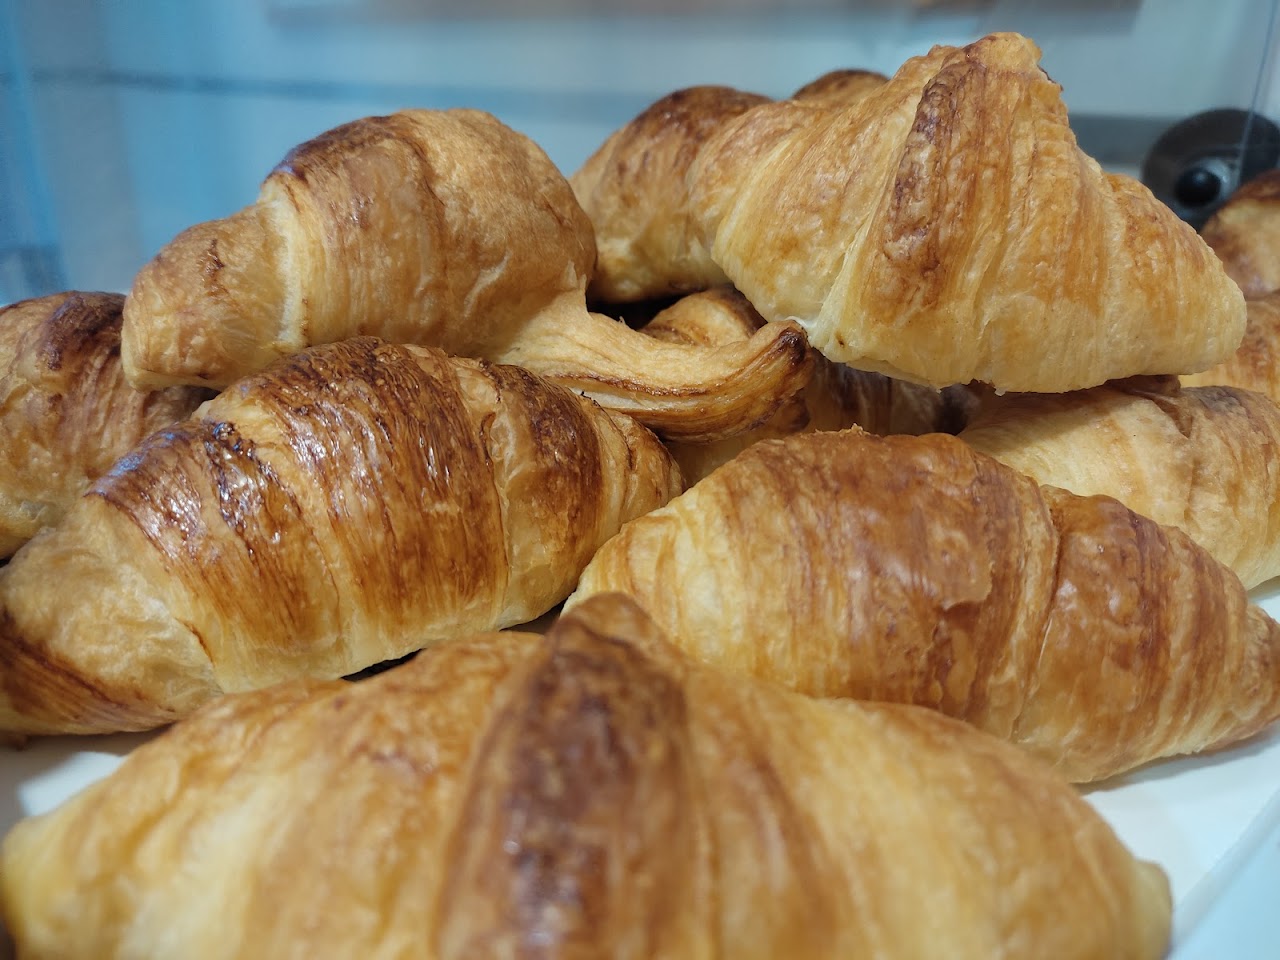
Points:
x=149 y=115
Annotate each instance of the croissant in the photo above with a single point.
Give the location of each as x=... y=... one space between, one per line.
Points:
x=1256 y=364
x=1245 y=234
x=1203 y=459
x=917 y=570
x=635 y=187
x=946 y=228
x=440 y=228
x=593 y=794
x=66 y=413
x=836 y=396
x=346 y=506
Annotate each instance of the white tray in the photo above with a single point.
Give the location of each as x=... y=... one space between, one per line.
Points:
x=1199 y=817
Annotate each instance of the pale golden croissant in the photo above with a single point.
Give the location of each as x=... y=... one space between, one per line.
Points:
x=346 y=506
x=441 y=228
x=590 y=794
x=635 y=187
x=915 y=569
x=1245 y=234
x=836 y=396
x=66 y=412
x=946 y=228
x=1203 y=459
x=1256 y=364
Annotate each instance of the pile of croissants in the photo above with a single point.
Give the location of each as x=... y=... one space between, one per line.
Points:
x=875 y=465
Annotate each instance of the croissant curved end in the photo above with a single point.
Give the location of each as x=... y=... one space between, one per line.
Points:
x=197 y=312
x=679 y=390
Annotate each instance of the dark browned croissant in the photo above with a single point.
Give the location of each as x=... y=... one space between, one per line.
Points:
x=346 y=506
x=593 y=794
x=946 y=228
x=442 y=228
x=916 y=569
x=66 y=412
x=1245 y=234
x=1203 y=459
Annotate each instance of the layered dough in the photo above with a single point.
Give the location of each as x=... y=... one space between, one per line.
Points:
x=917 y=570
x=349 y=505
x=596 y=794
x=66 y=411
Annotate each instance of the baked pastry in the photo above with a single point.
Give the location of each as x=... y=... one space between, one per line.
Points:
x=917 y=570
x=836 y=396
x=634 y=190
x=348 y=505
x=66 y=412
x=1203 y=459
x=947 y=228
x=591 y=794
x=1256 y=364
x=635 y=187
x=1245 y=234
x=441 y=228
x=680 y=391
x=841 y=88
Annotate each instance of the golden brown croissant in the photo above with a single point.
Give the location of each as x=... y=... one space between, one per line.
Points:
x=946 y=228
x=1203 y=459
x=441 y=228
x=836 y=396
x=66 y=412
x=1256 y=364
x=841 y=88
x=635 y=187
x=346 y=506
x=593 y=794
x=915 y=569
x=1245 y=234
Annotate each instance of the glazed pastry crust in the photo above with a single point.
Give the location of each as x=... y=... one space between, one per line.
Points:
x=592 y=794
x=947 y=228
x=1203 y=459
x=347 y=506
x=66 y=412
x=917 y=570
x=1245 y=234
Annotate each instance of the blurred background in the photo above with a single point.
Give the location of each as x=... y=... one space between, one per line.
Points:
x=124 y=121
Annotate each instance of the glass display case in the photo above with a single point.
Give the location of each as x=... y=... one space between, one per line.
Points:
x=122 y=122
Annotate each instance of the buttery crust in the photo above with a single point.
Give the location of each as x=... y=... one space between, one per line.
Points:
x=1245 y=234
x=1256 y=364
x=633 y=188
x=636 y=186
x=917 y=570
x=403 y=227
x=836 y=396
x=590 y=794
x=947 y=228
x=66 y=412
x=440 y=228
x=348 y=505
x=1203 y=459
